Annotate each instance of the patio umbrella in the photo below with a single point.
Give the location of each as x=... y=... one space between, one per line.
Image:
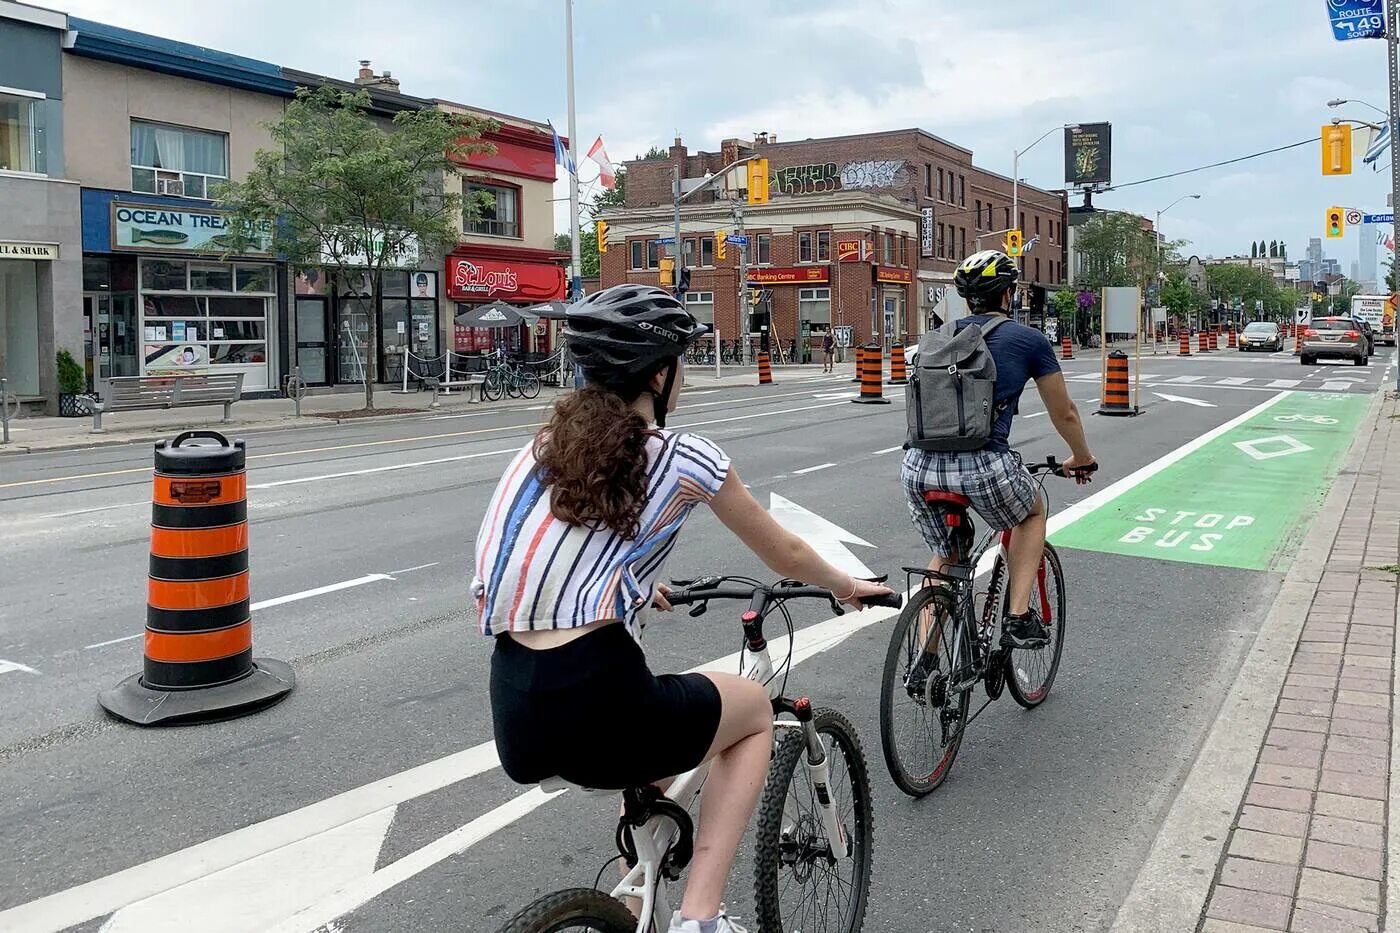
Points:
x=550 y=310
x=497 y=314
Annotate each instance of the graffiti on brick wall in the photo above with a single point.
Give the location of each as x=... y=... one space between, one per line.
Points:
x=881 y=174
x=821 y=177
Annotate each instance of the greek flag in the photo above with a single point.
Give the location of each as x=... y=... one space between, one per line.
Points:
x=561 y=154
x=1379 y=146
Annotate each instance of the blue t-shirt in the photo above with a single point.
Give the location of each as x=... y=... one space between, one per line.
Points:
x=1021 y=353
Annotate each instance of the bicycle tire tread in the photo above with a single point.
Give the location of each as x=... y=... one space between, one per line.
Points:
x=573 y=905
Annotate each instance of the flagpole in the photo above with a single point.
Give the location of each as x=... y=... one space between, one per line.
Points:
x=576 y=282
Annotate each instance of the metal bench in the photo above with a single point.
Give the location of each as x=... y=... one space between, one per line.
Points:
x=168 y=390
x=466 y=381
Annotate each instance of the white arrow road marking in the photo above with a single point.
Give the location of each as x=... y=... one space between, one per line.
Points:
x=213 y=857
x=9 y=666
x=827 y=539
x=1340 y=383
x=1189 y=401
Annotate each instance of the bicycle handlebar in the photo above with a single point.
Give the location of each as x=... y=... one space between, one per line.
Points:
x=761 y=597
x=1051 y=465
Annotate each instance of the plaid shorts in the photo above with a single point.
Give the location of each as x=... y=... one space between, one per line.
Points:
x=1001 y=490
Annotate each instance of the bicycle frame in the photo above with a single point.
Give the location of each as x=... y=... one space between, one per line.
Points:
x=644 y=879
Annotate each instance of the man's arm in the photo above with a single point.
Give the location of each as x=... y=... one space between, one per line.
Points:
x=1065 y=417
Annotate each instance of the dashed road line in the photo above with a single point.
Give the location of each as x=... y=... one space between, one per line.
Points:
x=812 y=469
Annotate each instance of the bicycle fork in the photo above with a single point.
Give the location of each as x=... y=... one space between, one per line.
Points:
x=819 y=772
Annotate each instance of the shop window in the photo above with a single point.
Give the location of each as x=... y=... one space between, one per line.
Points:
x=689 y=253
x=653 y=254
x=394 y=284
x=176 y=161
x=253 y=278
x=22 y=145
x=163 y=275
x=211 y=278
x=707 y=251
x=804 y=246
x=814 y=305
x=888 y=248
x=904 y=249
x=498 y=209
x=701 y=306
x=823 y=246
x=638 y=254
x=761 y=248
x=194 y=315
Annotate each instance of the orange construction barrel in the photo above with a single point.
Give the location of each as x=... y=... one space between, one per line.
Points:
x=860 y=360
x=899 y=367
x=1066 y=349
x=1232 y=341
x=871 y=368
x=1185 y=343
x=765 y=369
x=198 y=650
x=1203 y=341
x=1116 y=400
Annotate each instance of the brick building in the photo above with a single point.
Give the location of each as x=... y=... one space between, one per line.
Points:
x=861 y=231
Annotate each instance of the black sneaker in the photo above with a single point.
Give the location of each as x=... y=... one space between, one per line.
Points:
x=1024 y=631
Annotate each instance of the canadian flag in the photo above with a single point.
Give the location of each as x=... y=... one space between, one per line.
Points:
x=607 y=172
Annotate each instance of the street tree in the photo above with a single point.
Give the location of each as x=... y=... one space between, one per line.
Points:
x=349 y=195
x=1117 y=251
x=588 y=251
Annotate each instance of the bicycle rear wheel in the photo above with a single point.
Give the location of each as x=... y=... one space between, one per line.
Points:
x=1031 y=672
x=577 y=910
x=529 y=385
x=512 y=383
x=798 y=885
x=494 y=386
x=921 y=725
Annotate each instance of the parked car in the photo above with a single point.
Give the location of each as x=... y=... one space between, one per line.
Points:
x=1335 y=338
x=1261 y=335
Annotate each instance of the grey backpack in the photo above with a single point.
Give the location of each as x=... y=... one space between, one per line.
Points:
x=950 y=399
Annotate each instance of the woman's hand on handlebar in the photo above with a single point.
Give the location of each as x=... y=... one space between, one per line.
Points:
x=659 y=600
x=865 y=593
x=1080 y=469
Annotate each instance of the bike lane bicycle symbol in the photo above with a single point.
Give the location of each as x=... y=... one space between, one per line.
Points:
x=1310 y=419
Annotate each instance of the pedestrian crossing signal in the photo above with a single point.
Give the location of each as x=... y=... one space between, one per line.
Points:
x=1013 y=242
x=719 y=244
x=1336 y=222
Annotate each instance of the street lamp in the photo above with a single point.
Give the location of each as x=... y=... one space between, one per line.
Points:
x=1016 y=178
x=1157 y=231
x=1337 y=102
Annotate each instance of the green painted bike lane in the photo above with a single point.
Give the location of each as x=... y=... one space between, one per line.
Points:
x=1242 y=499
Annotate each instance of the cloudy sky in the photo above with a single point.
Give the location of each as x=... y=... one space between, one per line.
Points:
x=1184 y=82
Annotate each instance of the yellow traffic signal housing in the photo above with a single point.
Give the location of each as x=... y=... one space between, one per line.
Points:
x=1013 y=242
x=1336 y=222
x=1336 y=149
x=719 y=244
x=668 y=270
x=758 y=181
x=600 y=230
x=754 y=296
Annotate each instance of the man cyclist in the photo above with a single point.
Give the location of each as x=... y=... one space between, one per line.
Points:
x=993 y=478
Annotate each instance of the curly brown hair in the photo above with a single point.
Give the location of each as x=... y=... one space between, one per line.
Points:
x=592 y=455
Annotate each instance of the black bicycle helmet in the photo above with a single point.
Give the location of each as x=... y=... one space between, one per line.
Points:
x=983 y=277
x=629 y=327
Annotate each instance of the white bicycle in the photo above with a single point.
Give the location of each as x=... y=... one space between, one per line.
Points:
x=812 y=864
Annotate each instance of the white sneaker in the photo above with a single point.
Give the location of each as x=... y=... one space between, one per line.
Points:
x=724 y=924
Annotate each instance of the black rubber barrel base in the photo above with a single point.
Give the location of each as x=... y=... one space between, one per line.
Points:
x=1120 y=412
x=134 y=702
x=870 y=401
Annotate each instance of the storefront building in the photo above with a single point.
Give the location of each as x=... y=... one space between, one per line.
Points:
x=40 y=241
x=915 y=200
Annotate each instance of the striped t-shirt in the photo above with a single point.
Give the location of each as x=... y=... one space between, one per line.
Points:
x=534 y=571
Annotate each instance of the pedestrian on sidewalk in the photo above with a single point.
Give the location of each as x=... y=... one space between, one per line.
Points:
x=828 y=353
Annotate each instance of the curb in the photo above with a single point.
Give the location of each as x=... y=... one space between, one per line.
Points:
x=1172 y=886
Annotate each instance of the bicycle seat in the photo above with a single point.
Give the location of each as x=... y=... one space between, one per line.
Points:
x=552 y=785
x=954 y=499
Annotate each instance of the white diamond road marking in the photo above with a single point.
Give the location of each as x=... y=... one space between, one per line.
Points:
x=1234 y=381
x=1254 y=448
x=1284 y=383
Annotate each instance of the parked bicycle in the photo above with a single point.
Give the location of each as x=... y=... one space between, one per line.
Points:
x=924 y=708
x=814 y=825
x=503 y=378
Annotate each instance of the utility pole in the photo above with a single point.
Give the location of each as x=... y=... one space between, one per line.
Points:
x=676 y=250
x=576 y=281
x=743 y=281
x=1392 y=39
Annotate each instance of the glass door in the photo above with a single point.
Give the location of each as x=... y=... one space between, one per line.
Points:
x=393 y=338
x=312 y=328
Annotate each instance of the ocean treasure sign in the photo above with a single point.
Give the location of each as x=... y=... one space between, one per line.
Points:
x=163 y=228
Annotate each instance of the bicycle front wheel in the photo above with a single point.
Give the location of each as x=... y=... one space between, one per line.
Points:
x=1030 y=672
x=921 y=719
x=529 y=385
x=799 y=885
x=512 y=382
x=494 y=386
x=577 y=910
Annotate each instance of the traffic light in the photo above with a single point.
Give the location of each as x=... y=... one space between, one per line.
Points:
x=754 y=296
x=758 y=181
x=668 y=270
x=719 y=244
x=1336 y=222
x=1336 y=149
x=600 y=230
x=1013 y=242
x=683 y=285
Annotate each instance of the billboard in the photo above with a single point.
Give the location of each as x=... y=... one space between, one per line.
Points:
x=1088 y=153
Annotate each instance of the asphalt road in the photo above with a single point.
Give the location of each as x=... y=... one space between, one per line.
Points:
x=361 y=543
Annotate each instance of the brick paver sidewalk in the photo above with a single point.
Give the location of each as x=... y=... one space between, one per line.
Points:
x=1307 y=848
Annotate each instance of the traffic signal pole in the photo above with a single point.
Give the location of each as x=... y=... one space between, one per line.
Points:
x=743 y=295
x=1392 y=38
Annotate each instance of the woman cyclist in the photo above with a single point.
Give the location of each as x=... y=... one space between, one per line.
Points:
x=570 y=553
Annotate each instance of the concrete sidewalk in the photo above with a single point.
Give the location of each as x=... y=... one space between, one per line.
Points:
x=1287 y=820
x=249 y=415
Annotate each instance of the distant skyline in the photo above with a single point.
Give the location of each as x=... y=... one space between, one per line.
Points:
x=1185 y=83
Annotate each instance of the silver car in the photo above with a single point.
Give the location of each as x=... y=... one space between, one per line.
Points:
x=1261 y=335
x=1335 y=338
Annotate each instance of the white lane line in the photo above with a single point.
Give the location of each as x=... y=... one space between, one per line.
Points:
x=282 y=600
x=1036 y=414
x=888 y=450
x=1183 y=379
x=812 y=469
x=381 y=469
x=762 y=414
x=260 y=841
x=395 y=573
x=7 y=667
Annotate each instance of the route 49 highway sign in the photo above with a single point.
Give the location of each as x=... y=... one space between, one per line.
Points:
x=1357 y=19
